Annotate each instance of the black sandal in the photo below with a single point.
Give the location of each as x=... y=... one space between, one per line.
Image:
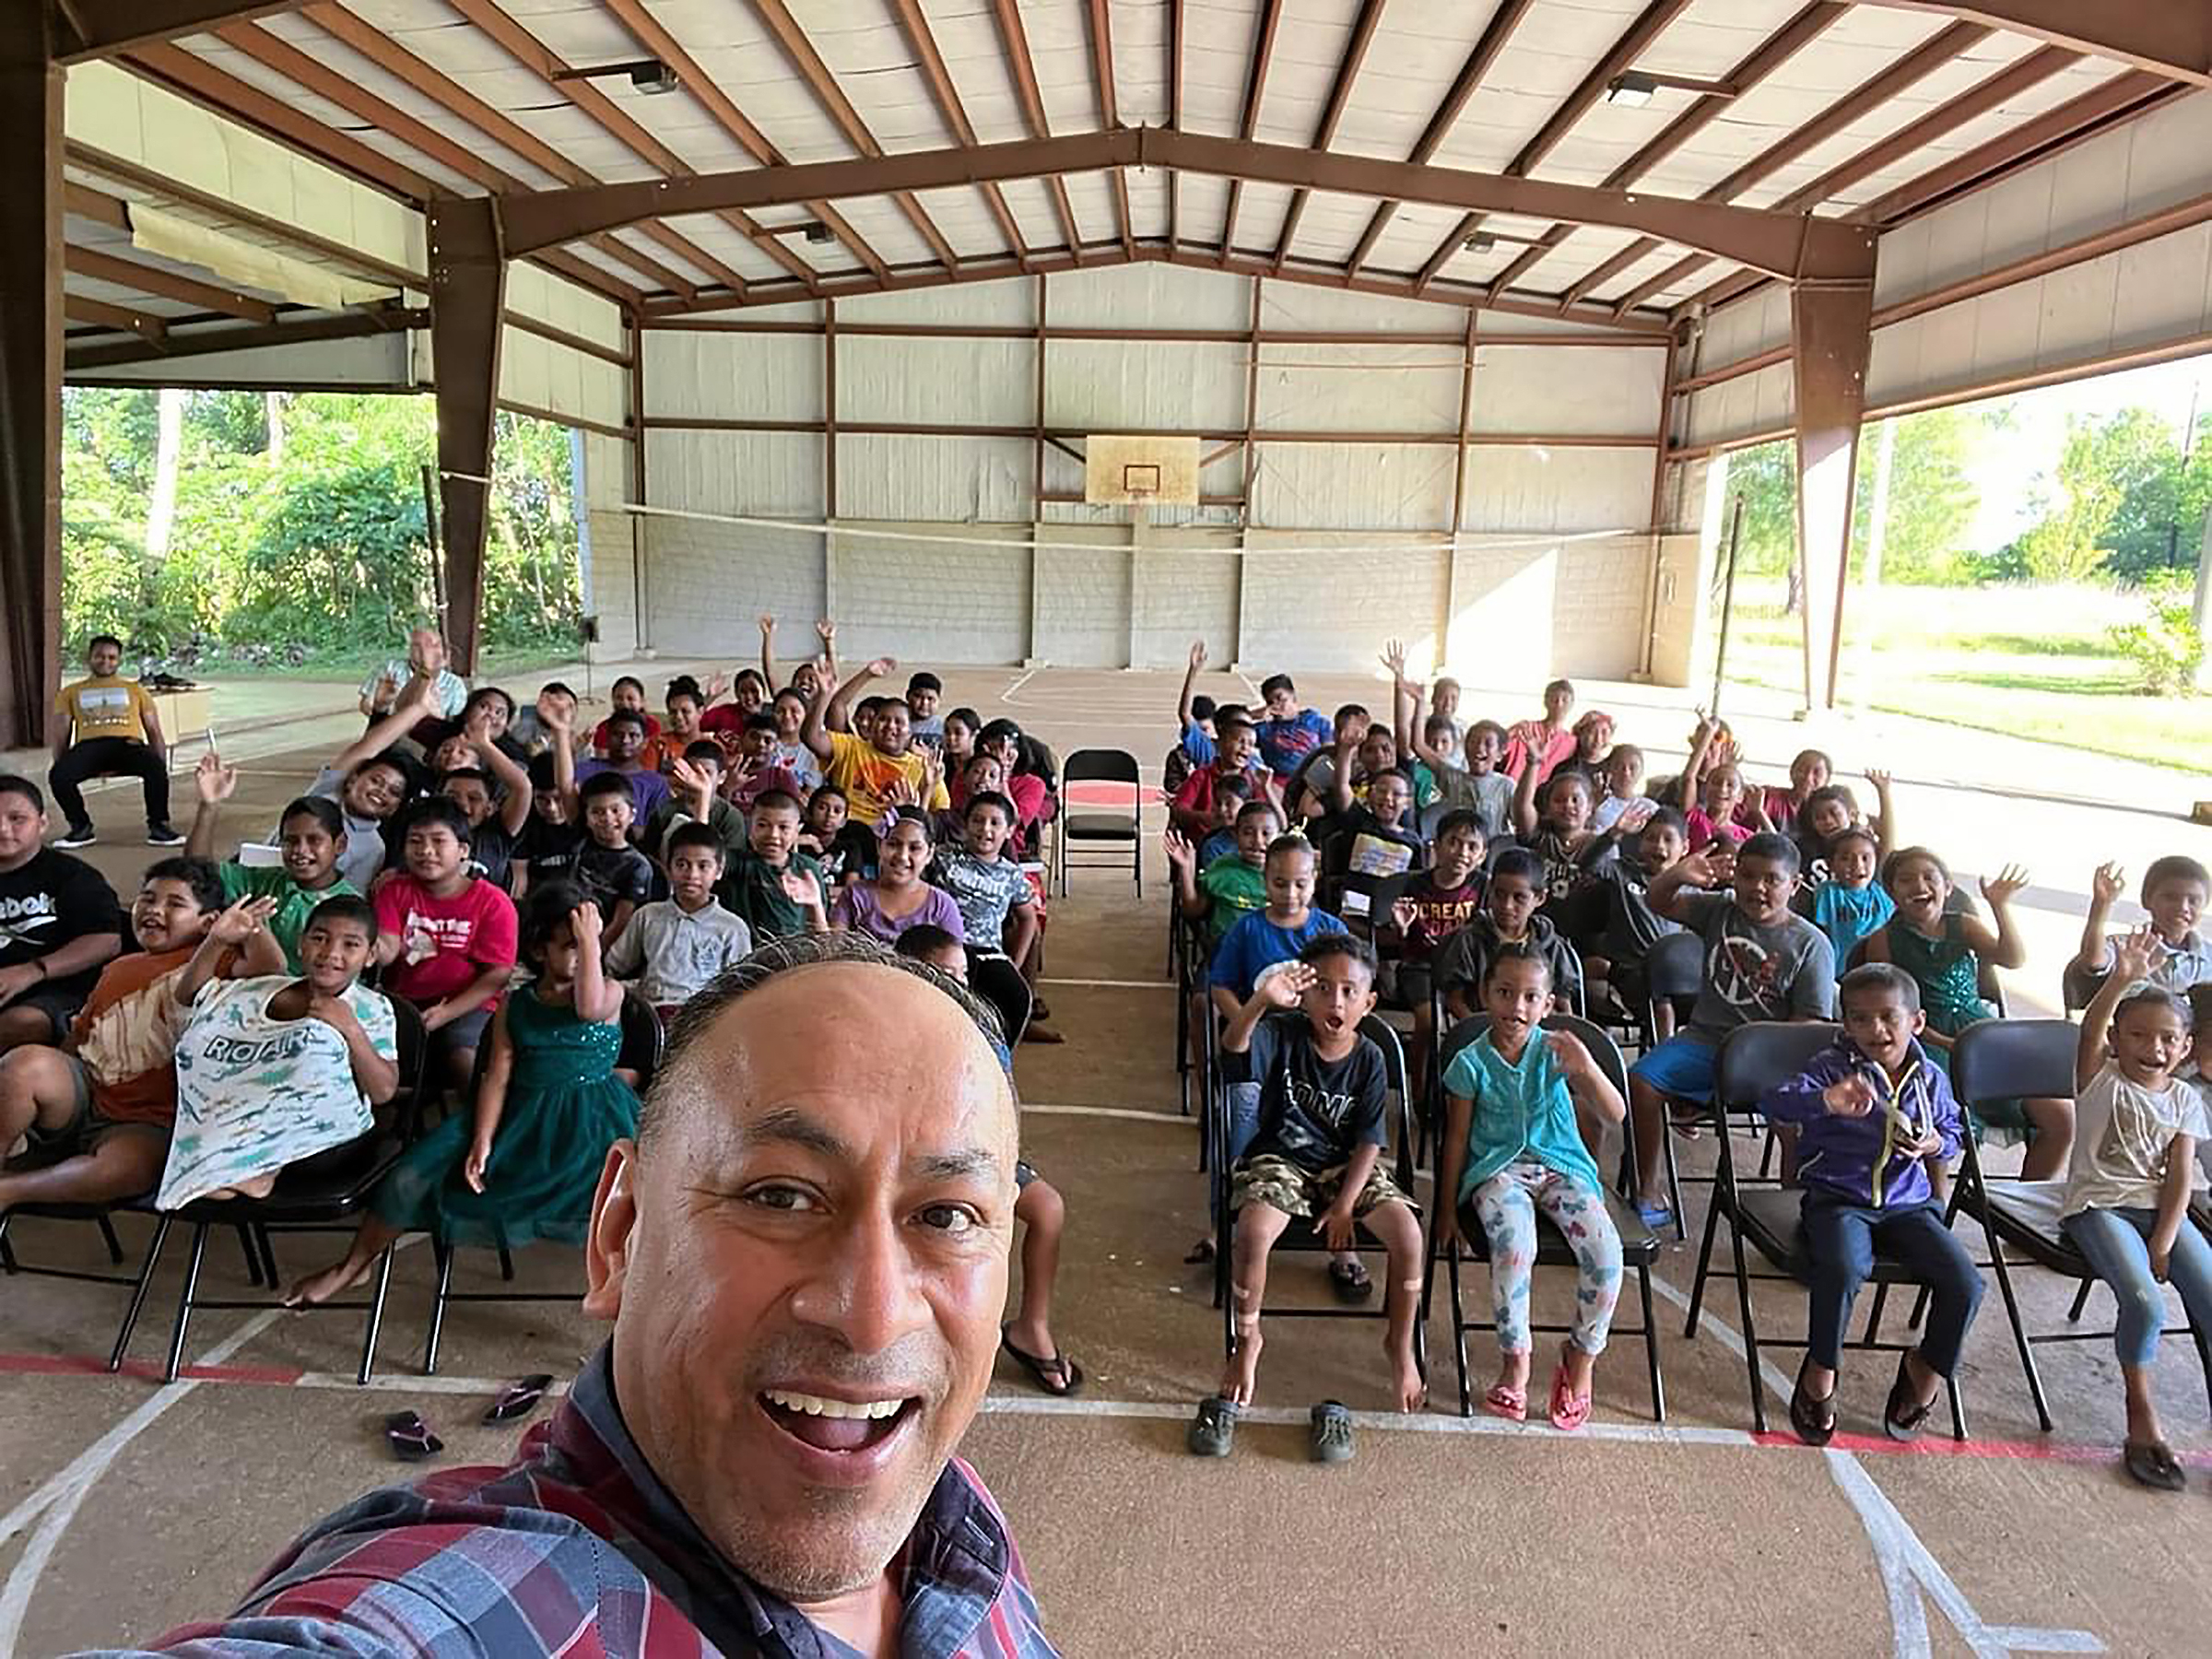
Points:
x=1058 y=1376
x=1200 y=1254
x=519 y=1399
x=1814 y=1419
x=2154 y=1464
x=1905 y=1413
x=410 y=1437
x=1351 y=1280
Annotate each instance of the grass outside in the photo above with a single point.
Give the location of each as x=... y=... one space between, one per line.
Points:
x=2030 y=662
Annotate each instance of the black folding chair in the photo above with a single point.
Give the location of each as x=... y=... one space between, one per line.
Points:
x=324 y=1193
x=1753 y=1059
x=1638 y=1243
x=1095 y=827
x=2010 y=1060
x=1299 y=1237
x=1674 y=972
x=994 y=977
x=642 y=1040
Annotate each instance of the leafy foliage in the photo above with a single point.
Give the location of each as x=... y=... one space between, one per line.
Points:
x=2165 y=645
x=299 y=520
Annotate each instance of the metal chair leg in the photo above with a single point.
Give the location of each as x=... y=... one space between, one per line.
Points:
x=2020 y=1331
x=268 y=1252
x=1874 y=1314
x=138 y=1291
x=444 y=1253
x=1697 y=1288
x=191 y=1284
x=1650 y=1347
x=107 y=1233
x=506 y=1264
x=1743 y=1297
x=1950 y=1386
x=1674 y=1180
x=1459 y=1337
x=2081 y=1300
x=376 y=1316
x=251 y=1253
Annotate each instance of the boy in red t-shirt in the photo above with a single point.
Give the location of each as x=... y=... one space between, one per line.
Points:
x=446 y=938
x=98 y=1114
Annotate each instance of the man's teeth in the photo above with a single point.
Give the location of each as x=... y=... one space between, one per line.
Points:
x=814 y=1406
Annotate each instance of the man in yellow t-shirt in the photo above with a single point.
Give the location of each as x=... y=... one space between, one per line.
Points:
x=106 y=726
x=871 y=770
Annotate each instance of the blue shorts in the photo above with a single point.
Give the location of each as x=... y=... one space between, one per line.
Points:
x=1682 y=1067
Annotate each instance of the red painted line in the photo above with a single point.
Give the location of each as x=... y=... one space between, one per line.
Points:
x=92 y=1365
x=1112 y=794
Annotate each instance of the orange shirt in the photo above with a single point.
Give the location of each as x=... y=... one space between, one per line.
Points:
x=126 y=1036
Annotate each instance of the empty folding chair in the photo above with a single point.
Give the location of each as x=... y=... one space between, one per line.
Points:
x=1086 y=826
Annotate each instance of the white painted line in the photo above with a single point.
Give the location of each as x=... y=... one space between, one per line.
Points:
x=1108 y=1112
x=1114 y=984
x=1007 y=695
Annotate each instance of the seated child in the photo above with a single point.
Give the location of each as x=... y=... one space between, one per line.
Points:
x=686 y=704
x=535 y=729
x=1435 y=905
x=614 y=875
x=998 y=913
x=2175 y=891
x=1553 y=821
x=311 y=843
x=1943 y=949
x=1710 y=798
x=1289 y=733
x=846 y=849
x=1275 y=933
x=370 y=784
x=525 y=1165
x=1362 y=750
x=276 y=1068
x=1028 y=1337
x=1850 y=904
x=1195 y=728
x=548 y=847
x=97 y=1113
x=1192 y=807
x=1231 y=796
x=898 y=898
x=1826 y=813
x=1315 y=1152
x=446 y=938
x=675 y=945
x=790 y=750
x=1620 y=927
x=1809 y=771
x=2126 y=1204
x=1762 y=961
x=1222 y=890
x=775 y=887
x=695 y=796
x=1869 y=1113
x=1546 y=744
x=924 y=725
x=1622 y=777
x=1031 y=794
x=753 y=769
x=625 y=743
x=1507 y=918
x=1511 y=1146
x=1364 y=844
x=628 y=695
x=962 y=728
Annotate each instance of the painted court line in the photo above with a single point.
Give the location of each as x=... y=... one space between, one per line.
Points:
x=1114 y=984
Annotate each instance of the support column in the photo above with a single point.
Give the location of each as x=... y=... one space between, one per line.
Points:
x=30 y=378
x=1831 y=335
x=468 y=288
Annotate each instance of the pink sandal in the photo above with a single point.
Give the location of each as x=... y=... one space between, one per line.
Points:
x=1511 y=1404
x=1570 y=1411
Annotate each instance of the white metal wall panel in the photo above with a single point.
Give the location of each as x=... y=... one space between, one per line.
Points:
x=1750 y=403
x=544 y=374
x=1294 y=305
x=1524 y=610
x=1150 y=295
x=534 y=291
x=380 y=363
x=964 y=600
x=1582 y=390
x=1117 y=385
x=935 y=381
x=768 y=475
x=997 y=305
x=732 y=376
x=1359 y=388
x=958 y=480
x=1516 y=488
x=1753 y=324
x=1354 y=485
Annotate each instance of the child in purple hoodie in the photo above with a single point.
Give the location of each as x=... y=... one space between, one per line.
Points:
x=1870 y=1112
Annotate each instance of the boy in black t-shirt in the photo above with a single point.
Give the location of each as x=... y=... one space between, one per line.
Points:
x=60 y=923
x=1317 y=1154
x=616 y=875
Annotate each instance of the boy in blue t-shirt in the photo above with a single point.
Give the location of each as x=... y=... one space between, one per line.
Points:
x=1315 y=1151
x=1276 y=933
x=1288 y=734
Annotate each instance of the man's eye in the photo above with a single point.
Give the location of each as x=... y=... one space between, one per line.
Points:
x=796 y=1200
x=950 y=1217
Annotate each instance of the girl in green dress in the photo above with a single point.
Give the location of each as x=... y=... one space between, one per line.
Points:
x=525 y=1164
x=1943 y=949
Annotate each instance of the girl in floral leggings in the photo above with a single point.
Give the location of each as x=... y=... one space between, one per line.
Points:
x=1511 y=1148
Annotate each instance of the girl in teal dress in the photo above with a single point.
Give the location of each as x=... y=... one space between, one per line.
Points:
x=525 y=1165
x=1943 y=949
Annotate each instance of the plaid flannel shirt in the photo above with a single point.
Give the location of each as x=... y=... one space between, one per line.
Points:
x=577 y=1548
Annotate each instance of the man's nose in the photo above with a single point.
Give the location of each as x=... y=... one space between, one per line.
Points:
x=865 y=1287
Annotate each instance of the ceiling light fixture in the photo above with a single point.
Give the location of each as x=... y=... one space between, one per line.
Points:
x=816 y=233
x=649 y=75
x=1482 y=241
x=1634 y=89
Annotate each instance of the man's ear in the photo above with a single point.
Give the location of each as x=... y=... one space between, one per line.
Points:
x=606 y=1247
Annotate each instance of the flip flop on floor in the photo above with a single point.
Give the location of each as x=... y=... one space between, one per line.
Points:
x=1511 y=1403
x=519 y=1399
x=410 y=1437
x=2154 y=1464
x=1813 y=1417
x=1059 y=1375
x=1351 y=1280
x=1570 y=1410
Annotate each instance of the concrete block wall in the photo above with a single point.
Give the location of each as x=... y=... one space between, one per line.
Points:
x=707 y=582
x=1183 y=587
x=942 y=602
x=1330 y=606
x=1083 y=597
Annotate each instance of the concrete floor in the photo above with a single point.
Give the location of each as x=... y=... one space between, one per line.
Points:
x=126 y=1507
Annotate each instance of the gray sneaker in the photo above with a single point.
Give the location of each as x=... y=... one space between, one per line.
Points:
x=1329 y=1439
x=1214 y=1430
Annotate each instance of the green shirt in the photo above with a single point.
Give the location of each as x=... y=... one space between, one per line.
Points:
x=753 y=889
x=294 y=902
x=1233 y=889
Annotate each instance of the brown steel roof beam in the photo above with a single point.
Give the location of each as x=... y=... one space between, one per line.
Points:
x=1784 y=243
x=799 y=52
x=1340 y=93
x=931 y=62
x=1763 y=60
x=532 y=53
x=471 y=110
x=2171 y=39
x=94 y=28
x=119 y=318
x=1014 y=42
x=1102 y=63
x=339 y=325
x=1495 y=34
x=166 y=285
x=1248 y=120
x=1174 y=43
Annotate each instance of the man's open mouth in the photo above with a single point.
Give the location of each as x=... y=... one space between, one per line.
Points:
x=829 y=1425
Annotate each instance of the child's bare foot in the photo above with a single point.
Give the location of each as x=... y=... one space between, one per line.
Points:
x=1241 y=1375
x=1580 y=1367
x=320 y=1287
x=1512 y=1373
x=1413 y=1393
